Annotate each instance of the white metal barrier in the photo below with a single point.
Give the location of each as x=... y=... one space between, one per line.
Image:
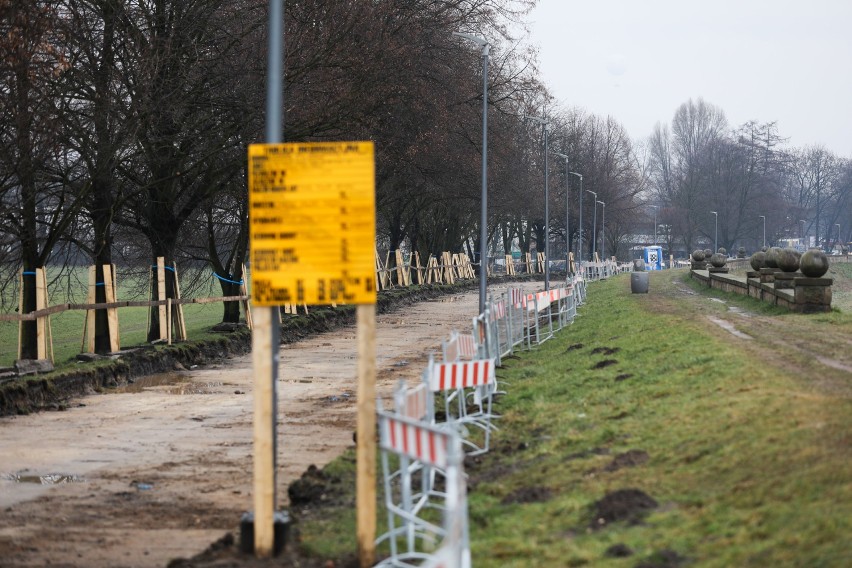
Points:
x=457 y=380
x=426 y=447
x=410 y=536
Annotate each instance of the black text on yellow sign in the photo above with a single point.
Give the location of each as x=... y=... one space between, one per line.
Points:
x=312 y=223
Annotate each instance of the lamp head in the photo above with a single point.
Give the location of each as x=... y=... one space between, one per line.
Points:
x=535 y=118
x=475 y=39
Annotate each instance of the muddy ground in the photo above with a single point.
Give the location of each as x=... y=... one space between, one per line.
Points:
x=161 y=468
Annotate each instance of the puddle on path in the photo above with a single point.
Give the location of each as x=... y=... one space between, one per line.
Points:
x=739 y=311
x=49 y=479
x=169 y=383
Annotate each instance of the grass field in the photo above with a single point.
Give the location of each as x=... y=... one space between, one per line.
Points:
x=723 y=452
x=68 y=326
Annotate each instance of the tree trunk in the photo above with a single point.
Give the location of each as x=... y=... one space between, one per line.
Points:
x=231 y=313
x=229 y=273
x=539 y=238
x=29 y=230
x=103 y=202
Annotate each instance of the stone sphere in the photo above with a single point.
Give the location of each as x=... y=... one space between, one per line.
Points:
x=638 y=265
x=708 y=253
x=718 y=260
x=788 y=259
x=741 y=252
x=698 y=255
x=764 y=248
x=771 y=259
x=814 y=263
x=758 y=260
x=722 y=250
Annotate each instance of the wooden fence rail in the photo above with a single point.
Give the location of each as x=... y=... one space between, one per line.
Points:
x=443 y=269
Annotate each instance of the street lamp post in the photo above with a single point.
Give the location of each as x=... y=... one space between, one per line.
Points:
x=603 y=228
x=594 y=226
x=483 y=221
x=840 y=248
x=716 y=235
x=567 y=218
x=802 y=234
x=764 y=228
x=580 y=235
x=543 y=123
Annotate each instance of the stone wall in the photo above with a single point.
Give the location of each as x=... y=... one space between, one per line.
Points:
x=788 y=288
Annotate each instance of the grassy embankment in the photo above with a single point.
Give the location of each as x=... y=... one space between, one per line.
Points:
x=747 y=462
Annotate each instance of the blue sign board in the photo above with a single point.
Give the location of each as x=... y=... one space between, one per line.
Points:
x=653 y=257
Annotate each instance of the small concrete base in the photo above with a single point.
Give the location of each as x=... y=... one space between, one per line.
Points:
x=812 y=294
x=767 y=275
x=281 y=528
x=717 y=270
x=784 y=280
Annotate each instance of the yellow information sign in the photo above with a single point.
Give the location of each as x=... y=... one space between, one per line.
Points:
x=312 y=223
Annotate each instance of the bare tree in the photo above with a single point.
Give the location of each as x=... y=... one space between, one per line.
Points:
x=37 y=204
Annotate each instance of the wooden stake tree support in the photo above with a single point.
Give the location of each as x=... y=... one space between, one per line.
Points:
x=510 y=265
x=403 y=273
x=246 y=304
x=383 y=281
x=172 y=325
x=447 y=267
x=418 y=270
x=434 y=274
x=44 y=332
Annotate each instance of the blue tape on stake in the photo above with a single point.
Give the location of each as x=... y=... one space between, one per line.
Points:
x=28 y=273
x=166 y=267
x=99 y=283
x=226 y=280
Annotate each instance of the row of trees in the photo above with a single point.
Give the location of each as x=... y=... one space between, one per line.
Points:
x=700 y=165
x=126 y=124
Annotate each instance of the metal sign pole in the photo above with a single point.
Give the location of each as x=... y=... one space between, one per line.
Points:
x=266 y=332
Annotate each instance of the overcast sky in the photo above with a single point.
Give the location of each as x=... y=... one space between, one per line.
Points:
x=767 y=60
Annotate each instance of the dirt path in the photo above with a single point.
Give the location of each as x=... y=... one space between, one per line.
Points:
x=803 y=344
x=163 y=468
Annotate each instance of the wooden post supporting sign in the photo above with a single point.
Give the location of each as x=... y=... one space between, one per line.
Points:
x=365 y=500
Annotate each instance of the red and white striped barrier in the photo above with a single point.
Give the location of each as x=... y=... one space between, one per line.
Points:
x=416 y=440
x=461 y=374
x=516 y=296
x=413 y=403
x=498 y=310
x=459 y=346
x=467 y=345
